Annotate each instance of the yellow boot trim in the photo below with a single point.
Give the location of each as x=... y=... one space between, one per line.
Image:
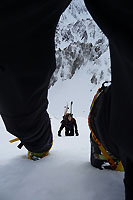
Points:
x=14 y=140
x=120 y=167
x=29 y=157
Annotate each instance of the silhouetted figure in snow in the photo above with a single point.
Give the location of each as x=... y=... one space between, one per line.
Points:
x=70 y=125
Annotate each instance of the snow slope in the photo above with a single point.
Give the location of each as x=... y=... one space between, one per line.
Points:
x=79 y=88
x=66 y=174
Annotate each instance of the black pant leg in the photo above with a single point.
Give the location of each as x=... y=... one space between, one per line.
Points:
x=71 y=132
x=66 y=132
x=27 y=61
x=128 y=180
x=115 y=19
x=112 y=17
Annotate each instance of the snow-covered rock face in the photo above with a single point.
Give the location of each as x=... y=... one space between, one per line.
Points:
x=79 y=40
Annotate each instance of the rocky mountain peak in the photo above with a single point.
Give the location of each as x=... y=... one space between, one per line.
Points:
x=78 y=41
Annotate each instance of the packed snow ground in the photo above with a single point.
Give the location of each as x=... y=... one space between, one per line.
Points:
x=66 y=174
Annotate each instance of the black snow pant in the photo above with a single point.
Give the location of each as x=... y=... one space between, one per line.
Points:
x=27 y=61
x=69 y=132
x=114 y=17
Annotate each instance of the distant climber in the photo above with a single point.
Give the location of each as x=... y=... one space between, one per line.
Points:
x=70 y=125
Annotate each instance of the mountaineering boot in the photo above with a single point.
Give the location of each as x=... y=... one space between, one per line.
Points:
x=32 y=155
x=37 y=156
x=97 y=159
